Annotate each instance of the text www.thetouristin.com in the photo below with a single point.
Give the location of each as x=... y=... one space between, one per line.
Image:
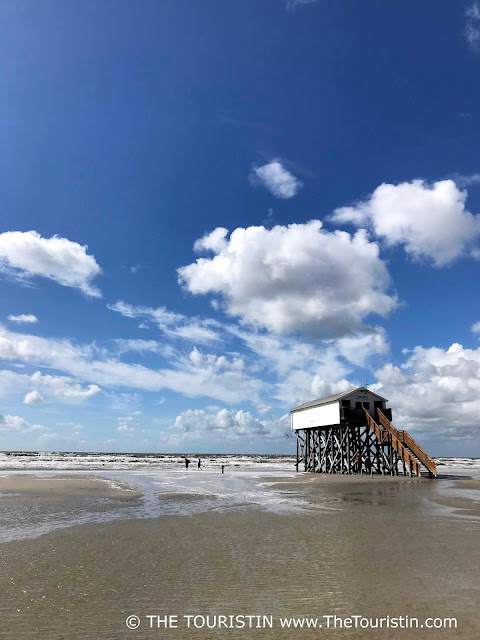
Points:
x=362 y=622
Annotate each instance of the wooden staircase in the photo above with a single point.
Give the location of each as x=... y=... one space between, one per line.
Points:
x=409 y=451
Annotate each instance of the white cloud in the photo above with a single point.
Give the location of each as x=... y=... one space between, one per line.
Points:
x=472 y=25
x=65 y=388
x=435 y=391
x=143 y=346
x=278 y=180
x=291 y=5
x=26 y=318
x=263 y=408
x=196 y=357
x=16 y=423
x=227 y=424
x=72 y=425
x=124 y=428
x=62 y=388
x=430 y=221
x=466 y=180
x=33 y=397
x=476 y=327
x=294 y=278
x=24 y=255
x=217 y=378
x=301 y=386
x=308 y=370
x=174 y=325
x=284 y=354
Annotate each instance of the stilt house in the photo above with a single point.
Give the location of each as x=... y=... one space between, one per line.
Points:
x=353 y=432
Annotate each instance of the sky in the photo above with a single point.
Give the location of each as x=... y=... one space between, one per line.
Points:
x=213 y=211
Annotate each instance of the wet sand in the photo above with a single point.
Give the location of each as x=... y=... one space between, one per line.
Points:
x=377 y=547
x=59 y=487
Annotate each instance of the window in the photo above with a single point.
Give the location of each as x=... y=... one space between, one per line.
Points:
x=346 y=404
x=358 y=405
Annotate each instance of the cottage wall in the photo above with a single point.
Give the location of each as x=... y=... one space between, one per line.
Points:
x=322 y=416
x=329 y=414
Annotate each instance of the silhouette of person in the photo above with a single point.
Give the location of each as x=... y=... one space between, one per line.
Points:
x=223 y=468
x=368 y=465
x=199 y=464
x=187 y=462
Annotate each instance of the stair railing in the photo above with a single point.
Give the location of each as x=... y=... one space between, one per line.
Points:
x=412 y=444
x=402 y=451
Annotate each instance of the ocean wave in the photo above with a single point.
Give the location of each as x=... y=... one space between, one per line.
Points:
x=77 y=461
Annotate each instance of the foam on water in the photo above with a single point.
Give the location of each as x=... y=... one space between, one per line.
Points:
x=38 y=460
x=165 y=492
x=70 y=461
x=167 y=487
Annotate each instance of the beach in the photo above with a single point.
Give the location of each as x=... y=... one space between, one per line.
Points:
x=374 y=547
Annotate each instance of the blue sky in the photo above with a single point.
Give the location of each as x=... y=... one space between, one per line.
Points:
x=214 y=211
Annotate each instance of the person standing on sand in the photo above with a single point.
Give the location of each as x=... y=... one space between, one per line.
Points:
x=358 y=460
x=223 y=467
x=199 y=464
x=368 y=466
x=187 y=462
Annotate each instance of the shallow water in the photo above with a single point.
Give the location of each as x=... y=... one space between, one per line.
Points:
x=180 y=492
x=165 y=492
x=373 y=547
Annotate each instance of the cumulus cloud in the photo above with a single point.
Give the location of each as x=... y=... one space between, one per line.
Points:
x=429 y=220
x=435 y=391
x=293 y=278
x=278 y=180
x=476 y=327
x=26 y=318
x=174 y=325
x=16 y=423
x=24 y=255
x=472 y=25
x=227 y=424
x=33 y=397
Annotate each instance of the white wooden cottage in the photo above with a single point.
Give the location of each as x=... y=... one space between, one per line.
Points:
x=351 y=431
x=337 y=409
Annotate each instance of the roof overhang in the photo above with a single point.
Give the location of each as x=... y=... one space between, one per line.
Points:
x=341 y=396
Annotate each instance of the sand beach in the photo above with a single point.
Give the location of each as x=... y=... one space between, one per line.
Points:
x=381 y=547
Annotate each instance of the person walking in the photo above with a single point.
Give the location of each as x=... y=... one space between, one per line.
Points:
x=199 y=464
x=187 y=462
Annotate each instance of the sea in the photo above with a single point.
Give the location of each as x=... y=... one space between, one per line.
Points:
x=76 y=461
x=80 y=461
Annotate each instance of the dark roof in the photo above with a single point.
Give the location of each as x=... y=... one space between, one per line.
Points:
x=333 y=398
